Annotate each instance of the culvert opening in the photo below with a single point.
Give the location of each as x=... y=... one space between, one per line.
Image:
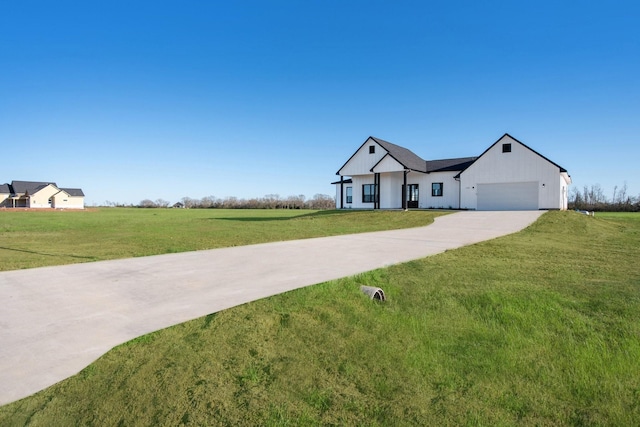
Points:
x=373 y=292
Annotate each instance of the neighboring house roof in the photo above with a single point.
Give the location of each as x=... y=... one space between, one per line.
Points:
x=73 y=192
x=404 y=156
x=23 y=187
x=19 y=188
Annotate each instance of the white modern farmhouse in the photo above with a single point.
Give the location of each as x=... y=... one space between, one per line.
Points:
x=33 y=194
x=507 y=176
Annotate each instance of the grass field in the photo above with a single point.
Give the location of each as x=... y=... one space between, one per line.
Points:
x=537 y=328
x=40 y=238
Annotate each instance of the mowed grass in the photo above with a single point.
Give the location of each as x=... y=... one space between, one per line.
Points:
x=42 y=238
x=536 y=328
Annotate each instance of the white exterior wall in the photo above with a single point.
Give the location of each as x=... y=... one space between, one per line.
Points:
x=344 y=195
x=358 y=182
x=519 y=166
x=388 y=164
x=362 y=161
x=450 y=195
x=3 y=197
x=62 y=200
x=359 y=169
x=513 y=180
x=565 y=181
x=41 y=198
x=391 y=190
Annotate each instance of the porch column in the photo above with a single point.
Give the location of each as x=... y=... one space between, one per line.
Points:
x=376 y=181
x=341 y=192
x=404 y=191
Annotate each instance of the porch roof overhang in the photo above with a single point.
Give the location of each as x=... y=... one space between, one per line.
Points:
x=344 y=181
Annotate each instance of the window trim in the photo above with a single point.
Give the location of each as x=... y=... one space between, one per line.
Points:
x=372 y=149
x=371 y=196
x=349 y=195
x=434 y=191
x=506 y=147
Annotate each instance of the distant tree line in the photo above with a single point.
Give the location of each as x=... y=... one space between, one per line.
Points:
x=593 y=199
x=270 y=201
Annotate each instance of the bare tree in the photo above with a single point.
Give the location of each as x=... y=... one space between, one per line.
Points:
x=271 y=201
x=146 y=203
x=208 y=202
x=294 y=202
x=189 y=203
x=161 y=203
x=593 y=199
x=321 y=201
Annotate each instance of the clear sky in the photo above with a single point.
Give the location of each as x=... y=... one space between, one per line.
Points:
x=134 y=100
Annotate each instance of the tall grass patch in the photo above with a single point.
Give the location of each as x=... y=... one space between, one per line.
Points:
x=536 y=328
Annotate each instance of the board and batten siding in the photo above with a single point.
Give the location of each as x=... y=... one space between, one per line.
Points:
x=450 y=196
x=520 y=166
x=358 y=182
x=391 y=190
x=518 y=178
x=388 y=164
x=362 y=161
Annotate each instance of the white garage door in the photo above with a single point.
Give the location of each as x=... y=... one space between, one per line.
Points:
x=518 y=196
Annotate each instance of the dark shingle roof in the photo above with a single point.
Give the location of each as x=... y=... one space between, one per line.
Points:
x=404 y=156
x=411 y=161
x=74 y=192
x=31 y=187
x=449 y=165
x=5 y=189
x=22 y=187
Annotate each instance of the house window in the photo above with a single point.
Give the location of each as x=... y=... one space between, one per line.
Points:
x=436 y=189
x=506 y=148
x=368 y=193
x=349 y=194
x=372 y=149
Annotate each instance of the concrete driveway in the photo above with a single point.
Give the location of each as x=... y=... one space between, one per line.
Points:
x=55 y=321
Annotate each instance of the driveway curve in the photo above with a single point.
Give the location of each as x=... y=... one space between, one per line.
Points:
x=55 y=321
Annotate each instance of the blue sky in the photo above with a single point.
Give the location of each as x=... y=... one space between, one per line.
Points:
x=165 y=99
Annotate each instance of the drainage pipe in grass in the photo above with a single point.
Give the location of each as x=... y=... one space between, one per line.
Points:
x=373 y=292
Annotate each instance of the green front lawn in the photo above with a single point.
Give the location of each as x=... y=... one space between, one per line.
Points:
x=41 y=238
x=536 y=328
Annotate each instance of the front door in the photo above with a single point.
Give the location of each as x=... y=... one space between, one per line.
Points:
x=411 y=195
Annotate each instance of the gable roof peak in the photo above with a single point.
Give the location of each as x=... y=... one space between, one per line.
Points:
x=525 y=146
x=404 y=156
x=22 y=187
